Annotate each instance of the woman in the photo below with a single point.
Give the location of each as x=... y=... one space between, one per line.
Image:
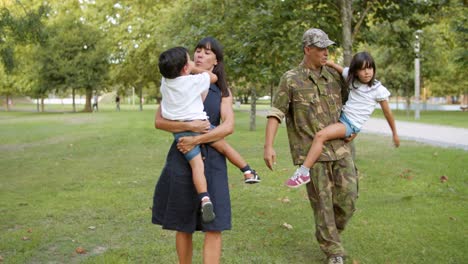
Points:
x=175 y=203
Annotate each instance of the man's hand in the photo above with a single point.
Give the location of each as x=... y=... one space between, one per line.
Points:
x=269 y=156
x=350 y=138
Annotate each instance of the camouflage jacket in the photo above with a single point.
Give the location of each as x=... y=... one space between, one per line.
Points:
x=310 y=103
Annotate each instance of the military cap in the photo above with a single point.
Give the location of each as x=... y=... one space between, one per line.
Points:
x=316 y=37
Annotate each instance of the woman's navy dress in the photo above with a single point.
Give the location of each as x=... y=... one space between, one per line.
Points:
x=176 y=205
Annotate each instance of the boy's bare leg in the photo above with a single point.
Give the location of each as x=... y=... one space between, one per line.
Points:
x=198 y=173
x=250 y=175
x=199 y=180
x=230 y=153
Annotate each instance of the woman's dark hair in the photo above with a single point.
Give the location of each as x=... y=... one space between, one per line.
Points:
x=361 y=60
x=172 y=61
x=210 y=43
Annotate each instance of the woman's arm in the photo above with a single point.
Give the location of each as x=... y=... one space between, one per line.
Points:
x=391 y=121
x=223 y=130
x=176 y=126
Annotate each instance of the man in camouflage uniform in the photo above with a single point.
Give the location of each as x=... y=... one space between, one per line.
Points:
x=310 y=97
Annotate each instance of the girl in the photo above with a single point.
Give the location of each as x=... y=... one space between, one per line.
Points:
x=365 y=92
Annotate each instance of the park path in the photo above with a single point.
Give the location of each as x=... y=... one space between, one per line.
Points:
x=437 y=135
x=443 y=136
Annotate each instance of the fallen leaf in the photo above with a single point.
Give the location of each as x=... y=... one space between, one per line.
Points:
x=287 y=226
x=29 y=230
x=25 y=238
x=435 y=154
x=443 y=178
x=285 y=200
x=91 y=227
x=1 y=259
x=406 y=174
x=453 y=218
x=355 y=261
x=80 y=250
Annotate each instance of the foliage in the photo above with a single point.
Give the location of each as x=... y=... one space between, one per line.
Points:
x=73 y=58
x=449 y=38
x=262 y=38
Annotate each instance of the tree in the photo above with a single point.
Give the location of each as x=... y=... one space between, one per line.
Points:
x=18 y=26
x=74 y=57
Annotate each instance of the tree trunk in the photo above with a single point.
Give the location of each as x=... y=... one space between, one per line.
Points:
x=73 y=100
x=140 y=94
x=37 y=105
x=8 y=101
x=42 y=104
x=253 y=105
x=89 y=95
x=346 y=20
x=408 y=105
x=271 y=93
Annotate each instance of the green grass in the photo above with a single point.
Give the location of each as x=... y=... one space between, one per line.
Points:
x=87 y=180
x=445 y=118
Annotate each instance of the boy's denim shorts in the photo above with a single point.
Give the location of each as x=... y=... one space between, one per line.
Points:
x=193 y=152
x=196 y=150
x=350 y=128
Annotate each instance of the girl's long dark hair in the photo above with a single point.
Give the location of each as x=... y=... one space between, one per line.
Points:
x=361 y=60
x=212 y=44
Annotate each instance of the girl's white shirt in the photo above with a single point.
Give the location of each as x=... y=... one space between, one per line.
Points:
x=181 y=97
x=363 y=100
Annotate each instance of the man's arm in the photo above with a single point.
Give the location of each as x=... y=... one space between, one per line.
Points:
x=269 y=153
x=391 y=121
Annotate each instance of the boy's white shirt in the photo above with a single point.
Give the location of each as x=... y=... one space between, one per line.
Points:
x=181 y=97
x=362 y=101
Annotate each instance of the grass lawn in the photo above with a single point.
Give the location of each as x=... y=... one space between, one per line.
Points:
x=86 y=180
x=444 y=118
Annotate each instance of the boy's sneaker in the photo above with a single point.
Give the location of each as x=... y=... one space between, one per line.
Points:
x=251 y=177
x=207 y=212
x=336 y=260
x=297 y=179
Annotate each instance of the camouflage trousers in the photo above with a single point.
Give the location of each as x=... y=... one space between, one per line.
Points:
x=332 y=192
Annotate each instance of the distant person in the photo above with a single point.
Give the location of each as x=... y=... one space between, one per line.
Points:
x=95 y=103
x=117 y=103
x=184 y=88
x=365 y=93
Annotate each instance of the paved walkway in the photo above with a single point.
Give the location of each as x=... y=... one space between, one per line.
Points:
x=431 y=134
x=442 y=136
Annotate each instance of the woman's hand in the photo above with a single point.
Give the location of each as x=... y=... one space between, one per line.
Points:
x=200 y=126
x=185 y=144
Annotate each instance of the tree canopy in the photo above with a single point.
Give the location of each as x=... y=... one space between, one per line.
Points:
x=92 y=46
